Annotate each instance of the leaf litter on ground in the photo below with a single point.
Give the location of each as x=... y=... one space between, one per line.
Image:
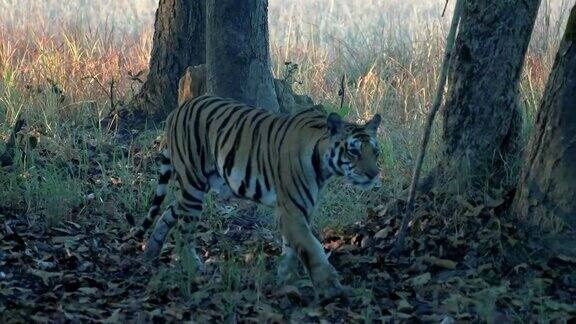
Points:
x=476 y=266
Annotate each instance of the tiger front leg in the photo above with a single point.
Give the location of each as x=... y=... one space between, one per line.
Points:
x=288 y=265
x=295 y=228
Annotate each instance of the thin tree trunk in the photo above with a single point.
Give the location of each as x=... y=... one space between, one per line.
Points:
x=179 y=41
x=546 y=195
x=238 y=61
x=481 y=117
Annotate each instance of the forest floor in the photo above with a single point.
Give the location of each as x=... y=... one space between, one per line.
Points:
x=477 y=267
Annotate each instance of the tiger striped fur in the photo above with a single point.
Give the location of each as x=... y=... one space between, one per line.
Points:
x=280 y=161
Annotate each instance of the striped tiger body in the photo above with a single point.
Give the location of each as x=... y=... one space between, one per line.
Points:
x=279 y=161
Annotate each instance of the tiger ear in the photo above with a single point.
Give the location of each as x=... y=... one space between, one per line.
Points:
x=335 y=124
x=373 y=124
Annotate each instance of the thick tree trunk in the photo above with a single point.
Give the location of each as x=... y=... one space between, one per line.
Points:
x=179 y=41
x=546 y=194
x=481 y=117
x=238 y=62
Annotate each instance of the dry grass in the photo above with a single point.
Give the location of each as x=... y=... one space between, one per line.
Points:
x=389 y=50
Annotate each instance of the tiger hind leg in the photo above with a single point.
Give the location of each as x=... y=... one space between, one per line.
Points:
x=163 y=226
x=191 y=211
x=164 y=175
x=185 y=211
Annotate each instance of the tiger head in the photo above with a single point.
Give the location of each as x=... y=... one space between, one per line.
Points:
x=354 y=151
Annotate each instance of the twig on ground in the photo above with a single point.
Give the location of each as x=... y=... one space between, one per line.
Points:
x=399 y=244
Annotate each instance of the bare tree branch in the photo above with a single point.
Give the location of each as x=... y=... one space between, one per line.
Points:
x=399 y=244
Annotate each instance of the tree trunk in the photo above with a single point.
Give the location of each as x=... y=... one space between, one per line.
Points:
x=238 y=61
x=179 y=41
x=481 y=117
x=546 y=194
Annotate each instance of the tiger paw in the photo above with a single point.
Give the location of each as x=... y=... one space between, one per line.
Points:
x=151 y=251
x=287 y=276
x=333 y=293
x=195 y=261
x=287 y=270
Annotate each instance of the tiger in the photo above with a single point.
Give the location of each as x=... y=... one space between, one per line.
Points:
x=281 y=161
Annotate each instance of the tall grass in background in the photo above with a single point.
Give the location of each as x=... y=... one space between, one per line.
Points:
x=390 y=51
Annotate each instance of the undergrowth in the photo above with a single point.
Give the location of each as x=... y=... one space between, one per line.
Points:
x=59 y=78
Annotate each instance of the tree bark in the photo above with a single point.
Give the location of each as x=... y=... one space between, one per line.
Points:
x=546 y=195
x=179 y=41
x=238 y=60
x=481 y=117
x=193 y=83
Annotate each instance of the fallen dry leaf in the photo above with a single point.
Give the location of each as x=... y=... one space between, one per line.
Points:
x=442 y=263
